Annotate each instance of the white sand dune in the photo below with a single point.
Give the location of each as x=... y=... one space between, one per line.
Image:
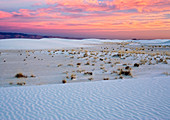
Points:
x=57 y=43
x=52 y=43
x=105 y=100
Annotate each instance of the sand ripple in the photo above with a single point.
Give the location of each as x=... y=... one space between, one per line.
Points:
x=106 y=100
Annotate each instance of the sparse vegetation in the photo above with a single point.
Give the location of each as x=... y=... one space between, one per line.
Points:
x=166 y=73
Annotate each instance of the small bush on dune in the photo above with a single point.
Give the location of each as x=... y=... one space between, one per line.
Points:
x=121 y=77
x=67 y=77
x=88 y=63
x=73 y=76
x=78 y=63
x=166 y=73
x=60 y=65
x=70 y=64
x=11 y=83
x=20 y=75
x=88 y=73
x=105 y=78
x=165 y=61
x=21 y=83
x=127 y=67
x=125 y=72
x=32 y=76
x=64 y=81
x=90 y=78
x=93 y=64
x=136 y=65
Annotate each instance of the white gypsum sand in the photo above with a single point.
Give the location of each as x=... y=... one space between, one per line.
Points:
x=143 y=98
x=129 y=92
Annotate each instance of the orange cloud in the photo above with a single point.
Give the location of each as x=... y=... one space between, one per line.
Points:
x=95 y=16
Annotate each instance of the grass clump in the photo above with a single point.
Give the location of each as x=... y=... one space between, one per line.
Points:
x=166 y=73
x=136 y=65
x=32 y=76
x=11 y=83
x=125 y=72
x=21 y=83
x=88 y=73
x=64 y=81
x=20 y=75
x=105 y=78
x=73 y=76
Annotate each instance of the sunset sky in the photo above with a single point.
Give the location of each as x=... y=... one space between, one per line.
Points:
x=123 y=19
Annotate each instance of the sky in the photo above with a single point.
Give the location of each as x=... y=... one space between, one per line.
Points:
x=116 y=19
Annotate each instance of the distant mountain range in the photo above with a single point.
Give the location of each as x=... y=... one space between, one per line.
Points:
x=8 y=35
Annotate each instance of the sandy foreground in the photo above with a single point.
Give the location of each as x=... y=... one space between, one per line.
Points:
x=104 y=80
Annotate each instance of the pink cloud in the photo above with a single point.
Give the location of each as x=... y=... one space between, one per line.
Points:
x=92 y=16
x=5 y=14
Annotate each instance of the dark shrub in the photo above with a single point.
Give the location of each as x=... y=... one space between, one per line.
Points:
x=20 y=75
x=136 y=65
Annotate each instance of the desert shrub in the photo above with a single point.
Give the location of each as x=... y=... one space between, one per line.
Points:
x=67 y=77
x=78 y=63
x=88 y=63
x=101 y=59
x=32 y=75
x=70 y=64
x=125 y=72
x=64 y=81
x=121 y=77
x=105 y=78
x=127 y=67
x=21 y=83
x=136 y=65
x=60 y=65
x=112 y=65
x=102 y=68
x=165 y=61
x=11 y=83
x=85 y=55
x=166 y=73
x=20 y=75
x=160 y=60
x=88 y=73
x=93 y=64
x=90 y=78
x=73 y=76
